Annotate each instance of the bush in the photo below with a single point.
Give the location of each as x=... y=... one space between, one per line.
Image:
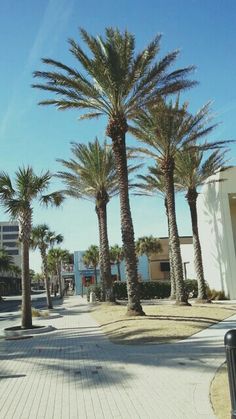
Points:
x=191 y=288
x=216 y=295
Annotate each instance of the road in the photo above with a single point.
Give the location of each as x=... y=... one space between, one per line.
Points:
x=9 y=309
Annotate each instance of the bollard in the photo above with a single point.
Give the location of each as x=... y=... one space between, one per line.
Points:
x=230 y=348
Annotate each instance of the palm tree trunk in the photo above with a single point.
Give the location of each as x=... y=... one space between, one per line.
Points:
x=116 y=130
x=191 y=197
x=118 y=270
x=172 y=277
x=45 y=274
x=102 y=279
x=168 y=171
x=95 y=274
x=59 y=279
x=24 y=236
x=104 y=246
x=26 y=321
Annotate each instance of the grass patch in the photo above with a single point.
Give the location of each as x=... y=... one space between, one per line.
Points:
x=162 y=323
x=38 y=313
x=220 y=397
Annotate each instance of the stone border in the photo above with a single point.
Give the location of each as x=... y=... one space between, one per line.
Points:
x=9 y=332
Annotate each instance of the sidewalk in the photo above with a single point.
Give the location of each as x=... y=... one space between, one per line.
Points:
x=76 y=372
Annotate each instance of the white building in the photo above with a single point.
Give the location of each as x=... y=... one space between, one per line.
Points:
x=217 y=228
x=9 y=240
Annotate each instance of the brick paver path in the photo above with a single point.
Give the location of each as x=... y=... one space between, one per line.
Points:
x=76 y=372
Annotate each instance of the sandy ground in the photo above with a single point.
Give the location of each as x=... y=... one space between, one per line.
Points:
x=162 y=323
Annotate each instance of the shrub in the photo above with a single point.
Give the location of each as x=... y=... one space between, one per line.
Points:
x=216 y=295
x=97 y=289
x=191 y=288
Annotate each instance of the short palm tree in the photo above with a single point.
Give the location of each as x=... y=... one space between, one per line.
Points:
x=192 y=171
x=91 y=258
x=116 y=83
x=42 y=238
x=148 y=245
x=92 y=175
x=18 y=202
x=6 y=261
x=56 y=257
x=116 y=256
x=153 y=184
x=166 y=128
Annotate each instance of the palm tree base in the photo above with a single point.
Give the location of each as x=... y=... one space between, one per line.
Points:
x=203 y=301
x=172 y=297
x=183 y=303
x=135 y=311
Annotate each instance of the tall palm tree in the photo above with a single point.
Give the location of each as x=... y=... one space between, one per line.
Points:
x=114 y=82
x=42 y=238
x=91 y=258
x=18 y=202
x=166 y=128
x=153 y=184
x=92 y=175
x=192 y=171
x=56 y=257
x=116 y=256
x=147 y=245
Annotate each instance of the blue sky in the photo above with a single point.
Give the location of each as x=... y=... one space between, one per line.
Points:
x=204 y=31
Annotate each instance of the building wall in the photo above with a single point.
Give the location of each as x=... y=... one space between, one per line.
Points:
x=9 y=239
x=217 y=228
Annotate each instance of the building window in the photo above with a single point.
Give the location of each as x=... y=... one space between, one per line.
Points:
x=10 y=236
x=10 y=244
x=165 y=266
x=10 y=228
x=12 y=252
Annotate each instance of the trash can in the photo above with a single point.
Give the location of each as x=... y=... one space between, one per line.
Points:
x=230 y=349
x=92 y=297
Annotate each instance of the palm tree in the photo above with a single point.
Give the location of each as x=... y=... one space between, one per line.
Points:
x=56 y=257
x=193 y=171
x=153 y=184
x=147 y=245
x=42 y=238
x=92 y=175
x=116 y=83
x=18 y=203
x=91 y=258
x=166 y=128
x=116 y=256
x=6 y=261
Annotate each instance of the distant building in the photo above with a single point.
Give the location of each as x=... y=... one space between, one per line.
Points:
x=9 y=240
x=158 y=270
x=217 y=228
x=10 y=283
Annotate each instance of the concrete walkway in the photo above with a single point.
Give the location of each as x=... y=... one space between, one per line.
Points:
x=76 y=372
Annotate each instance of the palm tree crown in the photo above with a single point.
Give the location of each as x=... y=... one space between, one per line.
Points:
x=91 y=172
x=114 y=82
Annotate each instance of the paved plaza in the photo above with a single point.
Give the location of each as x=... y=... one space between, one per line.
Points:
x=76 y=372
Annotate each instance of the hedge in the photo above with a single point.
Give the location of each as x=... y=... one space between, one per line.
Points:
x=148 y=290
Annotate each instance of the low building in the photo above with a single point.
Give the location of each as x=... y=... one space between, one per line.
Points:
x=9 y=240
x=155 y=269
